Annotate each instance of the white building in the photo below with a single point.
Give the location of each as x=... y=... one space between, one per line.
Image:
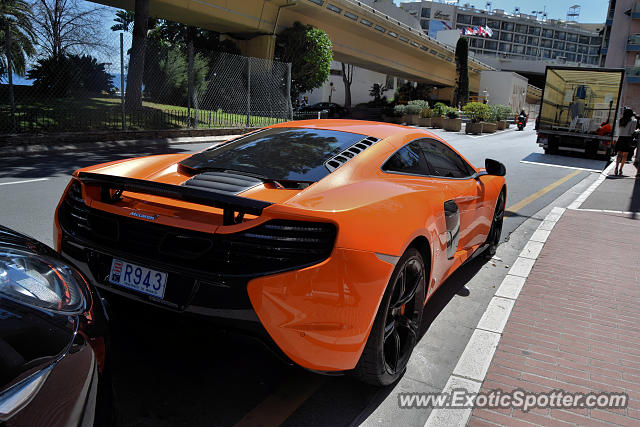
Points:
x=363 y=79
x=504 y=87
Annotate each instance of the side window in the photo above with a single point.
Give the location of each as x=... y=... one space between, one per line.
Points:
x=408 y=159
x=443 y=161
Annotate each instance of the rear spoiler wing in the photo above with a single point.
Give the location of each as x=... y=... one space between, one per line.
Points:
x=228 y=203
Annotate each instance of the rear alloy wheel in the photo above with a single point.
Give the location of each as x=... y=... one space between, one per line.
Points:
x=493 y=239
x=395 y=330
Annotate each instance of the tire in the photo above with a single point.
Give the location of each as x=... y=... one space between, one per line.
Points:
x=493 y=239
x=395 y=329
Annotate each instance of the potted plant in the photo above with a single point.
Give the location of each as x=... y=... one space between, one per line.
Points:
x=477 y=112
x=399 y=112
x=490 y=124
x=412 y=113
x=452 y=121
x=495 y=114
x=504 y=112
x=425 y=117
x=438 y=111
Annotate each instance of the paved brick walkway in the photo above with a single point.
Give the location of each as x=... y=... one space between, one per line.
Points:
x=575 y=325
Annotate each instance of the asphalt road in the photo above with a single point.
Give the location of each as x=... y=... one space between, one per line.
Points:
x=175 y=370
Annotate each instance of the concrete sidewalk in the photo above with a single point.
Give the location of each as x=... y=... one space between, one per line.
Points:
x=575 y=325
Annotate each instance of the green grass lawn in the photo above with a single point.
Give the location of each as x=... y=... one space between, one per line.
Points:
x=104 y=112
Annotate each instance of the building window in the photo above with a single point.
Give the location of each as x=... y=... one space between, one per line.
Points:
x=572 y=37
x=518 y=49
x=392 y=34
x=389 y=82
x=561 y=35
x=546 y=43
x=558 y=45
x=424 y=23
x=520 y=28
x=477 y=20
x=594 y=50
x=491 y=44
x=533 y=41
x=584 y=39
x=425 y=12
x=584 y=49
x=335 y=72
x=366 y=22
x=506 y=36
x=425 y=48
x=476 y=42
x=505 y=47
x=548 y=33
x=494 y=24
x=507 y=26
x=379 y=28
x=571 y=57
x=333 y=8
x=318 y=2
x=557 y=54
x=571 y=47
x=532 y=51
x=351 y=16
x=464 y=19
x=520 y=38
x=535 y=31
x=596 y=41
x=546 y=53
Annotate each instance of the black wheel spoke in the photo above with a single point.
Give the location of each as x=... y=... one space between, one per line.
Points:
x=389 y=328
x=397 y=349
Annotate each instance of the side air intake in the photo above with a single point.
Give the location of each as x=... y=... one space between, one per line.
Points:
x=342 y=158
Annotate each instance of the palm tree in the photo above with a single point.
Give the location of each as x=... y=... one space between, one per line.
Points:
x=16 y=35
x=124 y=18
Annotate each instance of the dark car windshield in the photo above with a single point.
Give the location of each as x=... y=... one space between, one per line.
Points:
x=286 y=154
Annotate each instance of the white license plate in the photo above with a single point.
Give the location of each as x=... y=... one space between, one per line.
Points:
x=141 y=279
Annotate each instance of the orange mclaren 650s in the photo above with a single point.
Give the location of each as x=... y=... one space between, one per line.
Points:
x=329 y=236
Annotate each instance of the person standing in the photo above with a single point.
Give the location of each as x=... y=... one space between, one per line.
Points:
x=627 y=126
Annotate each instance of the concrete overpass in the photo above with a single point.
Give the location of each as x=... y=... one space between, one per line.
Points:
x=361 y=35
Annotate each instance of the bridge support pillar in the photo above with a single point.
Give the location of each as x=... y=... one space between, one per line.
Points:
x=262 y=46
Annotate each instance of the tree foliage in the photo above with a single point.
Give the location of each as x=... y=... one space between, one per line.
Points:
x=123 y=19
x=166 y=76
x=68 y=27
x=16 y=17
x=461 y=94
x=60 y=76
x=308 y=49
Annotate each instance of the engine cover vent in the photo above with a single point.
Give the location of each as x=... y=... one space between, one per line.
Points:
x=338 y=160
x=223 y=182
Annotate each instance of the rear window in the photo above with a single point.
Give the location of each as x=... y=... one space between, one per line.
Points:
x=285 y=154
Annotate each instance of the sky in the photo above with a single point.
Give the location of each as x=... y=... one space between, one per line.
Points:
x=592 y=11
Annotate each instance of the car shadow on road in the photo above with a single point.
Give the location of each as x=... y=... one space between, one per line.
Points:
x=64 y=163
x=172 y=369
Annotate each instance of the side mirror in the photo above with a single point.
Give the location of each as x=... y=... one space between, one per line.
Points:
x=494 y=167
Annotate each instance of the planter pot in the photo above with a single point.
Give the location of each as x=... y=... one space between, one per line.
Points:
x=501 y=124
x=488 y=127
x=424 y=121
x=474 y=128
x=405 y=119
x=412 y=119
x=436 y=122
x=452 y=125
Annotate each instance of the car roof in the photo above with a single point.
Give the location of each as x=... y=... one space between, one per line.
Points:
x=376 y=129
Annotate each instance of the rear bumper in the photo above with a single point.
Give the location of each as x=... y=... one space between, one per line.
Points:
x=319 y=316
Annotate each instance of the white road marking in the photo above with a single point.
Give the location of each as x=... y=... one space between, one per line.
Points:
x=24 y=182
x=476 y=358
x=560 y=166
